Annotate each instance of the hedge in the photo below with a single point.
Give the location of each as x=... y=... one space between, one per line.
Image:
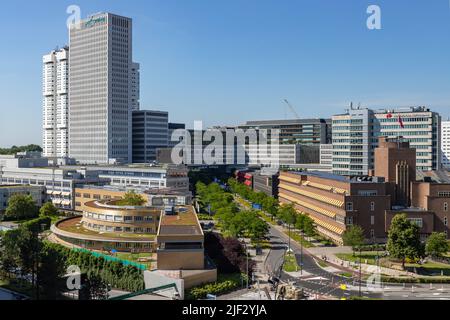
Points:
x=416 y=280
x=116 y=274
x=224 y=284
x=35 y=225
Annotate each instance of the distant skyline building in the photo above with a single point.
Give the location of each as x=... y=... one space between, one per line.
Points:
x=356 y=133
x=55 y=81
x=297 y=131
x=100 y=89
x=135 y=87
x=445 y=138
x=150 y=132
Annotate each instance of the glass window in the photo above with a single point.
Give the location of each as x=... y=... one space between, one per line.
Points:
x=349 y=206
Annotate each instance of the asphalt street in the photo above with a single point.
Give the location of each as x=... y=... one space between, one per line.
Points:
x=317 y=281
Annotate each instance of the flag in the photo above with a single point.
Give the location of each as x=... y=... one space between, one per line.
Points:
x=401 y=122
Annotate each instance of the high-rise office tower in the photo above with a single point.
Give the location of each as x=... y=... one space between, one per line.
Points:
x=55 y=103
x=100 y=88
x=135 y=86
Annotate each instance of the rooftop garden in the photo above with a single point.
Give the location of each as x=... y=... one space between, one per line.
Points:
x=131 y=199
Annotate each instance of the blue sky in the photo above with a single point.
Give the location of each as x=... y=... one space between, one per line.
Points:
x=225 y=62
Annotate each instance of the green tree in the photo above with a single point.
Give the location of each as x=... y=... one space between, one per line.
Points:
x=131 y=198
x=309 y=227
x=48 y=210
x=257 y=228
x=94 y=288
x=21 y=207
x=50 y=272
x=404 y=239
x=437 y=245
x=353 y=237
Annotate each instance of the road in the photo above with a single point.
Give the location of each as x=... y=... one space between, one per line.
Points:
x=316 y=280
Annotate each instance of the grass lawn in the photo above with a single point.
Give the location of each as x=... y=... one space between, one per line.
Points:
x=290 y=263
x=369 y=256
x=431 y=267
x=322 y=263
x=19 y=286
x=299 y=239
x=346 y=274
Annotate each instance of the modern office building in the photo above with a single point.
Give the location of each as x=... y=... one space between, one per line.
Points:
x=100 y=87
x=353 y=142
x=135 y=87
x=419 y=126
x=59 y=183
x=301 y=131
x=355 y=137
x=143 y=177
x=445 y=144
x=172 y=128
x=150 y=132
x=55 y=126
x=7 y=191
x=266 y=183
x=326 y=155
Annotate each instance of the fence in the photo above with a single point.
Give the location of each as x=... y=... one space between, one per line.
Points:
x=114 y=259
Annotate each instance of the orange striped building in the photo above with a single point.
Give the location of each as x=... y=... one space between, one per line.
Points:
x=336 y=202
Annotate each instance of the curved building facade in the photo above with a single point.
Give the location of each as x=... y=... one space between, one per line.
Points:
x=107 y=226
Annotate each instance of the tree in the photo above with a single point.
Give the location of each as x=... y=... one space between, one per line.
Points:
x=437 y=245
x=94 y=288
x=257 y=229
x=50 y=272
x=404 y=239
x=21 y=207
x=309 y=227
x=131 y=198
x=353 y=237
x=48 y=210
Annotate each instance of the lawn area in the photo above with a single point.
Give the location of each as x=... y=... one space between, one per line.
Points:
x=322 y=263
x=290 y=263
x=369 y=256
x=19 y=286
x=346 y=274
x=134 y=257
x=296 y=237
x=431 y=268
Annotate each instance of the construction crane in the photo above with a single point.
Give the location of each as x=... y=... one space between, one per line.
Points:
x=292 y=109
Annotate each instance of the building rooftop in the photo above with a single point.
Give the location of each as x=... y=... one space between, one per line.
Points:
x=184 y=222
x=440 y=176
x=335 y=177
x=285 y=122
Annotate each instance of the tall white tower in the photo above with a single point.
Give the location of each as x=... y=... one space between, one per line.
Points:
x=445 y=136
x=55 y=103
x=100 y=90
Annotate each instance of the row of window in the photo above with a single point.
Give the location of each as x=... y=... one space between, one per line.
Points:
x=117 y=218
x=118 y=229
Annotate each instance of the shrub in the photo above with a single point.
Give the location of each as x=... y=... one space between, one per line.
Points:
x=223 y=285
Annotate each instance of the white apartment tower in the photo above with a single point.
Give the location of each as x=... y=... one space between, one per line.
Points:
x=100 y=90
x=55 y=103
x=445 y=136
